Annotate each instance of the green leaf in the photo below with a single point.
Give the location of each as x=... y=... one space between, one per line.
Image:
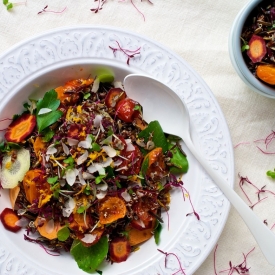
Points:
x=48 y=101
x=89 y=258
x=271 y=174
x=105 y=75
x=178 y=160
x=47 y=134
x=86 y=96
x=99 y=178
x=96 y=147
x=9 y=6
x=5 y=2
x=81 y=209
x=144 y=168
x=69 y=160
x=45 y=120
x=63 y=234
x=52 y=180
x=157 y=232
x=158 y=137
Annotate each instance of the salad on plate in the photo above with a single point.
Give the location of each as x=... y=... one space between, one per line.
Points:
x=86 y=174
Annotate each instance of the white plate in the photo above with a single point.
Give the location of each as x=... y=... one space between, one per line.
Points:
x=76 y=49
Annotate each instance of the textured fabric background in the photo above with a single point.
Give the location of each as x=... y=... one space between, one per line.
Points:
x=198 y=31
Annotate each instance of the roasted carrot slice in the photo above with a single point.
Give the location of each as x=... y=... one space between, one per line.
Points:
x=119 y=250
x=266 y=73
x=63 y=92
x=136 y=236
x=47 y=228
x=111 y=209
x=80 y=223
x=20 y=128
x=36 y=187
x=257 y=48
x=114 y=96
x=13 y=195
x=9 y=219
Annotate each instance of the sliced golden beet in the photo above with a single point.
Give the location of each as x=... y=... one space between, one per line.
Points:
x=20 y=128
x=136 y=236
x=39 y=146
x=266 y=73
x=15 y=164
x=47 y=228
x=92 y=238
x=119 y=250
x=36 y=187
x=80 y=222
x=111 y=209
x=13 y=195
x=9 y=219
x=257 y=48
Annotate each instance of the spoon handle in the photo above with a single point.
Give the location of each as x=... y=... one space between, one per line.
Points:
x=262 y=234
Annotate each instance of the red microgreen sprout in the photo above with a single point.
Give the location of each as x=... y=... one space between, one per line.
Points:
x=129 y=53
x=167 y=254
x=240 y=268
x=99 y=6
x=51 y=11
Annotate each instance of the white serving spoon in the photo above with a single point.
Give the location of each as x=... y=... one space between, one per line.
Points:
x=161 y=103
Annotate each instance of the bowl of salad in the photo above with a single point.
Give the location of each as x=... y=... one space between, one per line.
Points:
x=251 y=46
x=89 y=186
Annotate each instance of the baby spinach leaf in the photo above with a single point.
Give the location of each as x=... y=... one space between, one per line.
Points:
x=63 y=234
x=157 y=232
x=179 y=160
x=89 y=258
x=155 y=131
x=49 y=101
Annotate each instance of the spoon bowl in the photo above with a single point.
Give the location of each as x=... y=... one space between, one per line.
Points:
x=163 y=104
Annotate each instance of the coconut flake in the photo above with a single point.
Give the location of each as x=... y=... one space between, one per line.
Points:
x=71 y=176
x=107 y=140
x=82 y=158
x=86 y=143
x=117 y=162
x=126 y=196
x=69 y=207
x=118 y=84
x=97 y=120
x=111 y=152
x=87 y=176
x=72 y=141
x=100 y=168
x=101 y=195
x=81 y=179
x=44 y=111
x=102 y=187
x=130 y=146
x=95 y=85
x=51 y=150
x=49 y=226
x=65 y=148
x=122 y=168
x=88 y=238
x=23 y=222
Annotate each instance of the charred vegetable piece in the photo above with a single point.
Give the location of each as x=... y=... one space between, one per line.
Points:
x=80 y=223
x=128 y=109
x=140 y=224
x=47 y=228
x=9 y=219
x=89 y=258
x=111 y=209
x=257 y=48
x=14 y=166
x=119 y=250
x=266 y=73
x=20 y=128
x=114 y=96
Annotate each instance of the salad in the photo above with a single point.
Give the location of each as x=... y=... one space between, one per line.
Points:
x=86 y=174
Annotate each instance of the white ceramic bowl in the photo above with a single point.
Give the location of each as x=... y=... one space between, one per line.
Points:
x=236 y=53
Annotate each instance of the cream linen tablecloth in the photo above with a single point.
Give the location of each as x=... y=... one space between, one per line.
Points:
x=198 y=31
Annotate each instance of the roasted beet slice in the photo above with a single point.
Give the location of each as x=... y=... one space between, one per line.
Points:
x=119 y=250
x=257 y=48
x=9 y=219
x=114 y=96
x=20 y=128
